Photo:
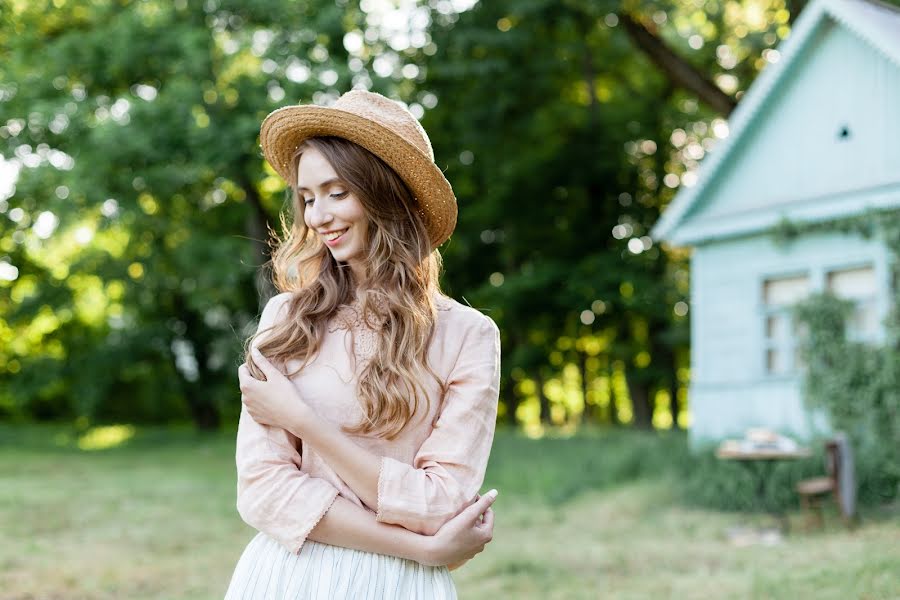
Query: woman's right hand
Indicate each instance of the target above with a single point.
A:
(463, 536)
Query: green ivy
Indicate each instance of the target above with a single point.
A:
(856, 383)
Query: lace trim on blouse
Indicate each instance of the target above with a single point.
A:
(365, 337)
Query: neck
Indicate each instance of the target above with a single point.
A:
(359, 273)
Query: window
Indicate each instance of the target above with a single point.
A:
(859, 286)
(781, 333)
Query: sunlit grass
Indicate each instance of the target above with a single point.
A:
(104, 437)
(584, 516)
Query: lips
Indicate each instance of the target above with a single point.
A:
(333, 237)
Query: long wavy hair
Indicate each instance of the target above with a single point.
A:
(400, 287)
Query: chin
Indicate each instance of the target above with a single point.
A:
(343, 256)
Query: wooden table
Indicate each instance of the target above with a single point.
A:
(760, 462)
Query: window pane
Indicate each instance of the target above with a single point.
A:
(853, 283)
(776, 361)
(799, 363)
(864, 321)
(777, 326)
(785, 291)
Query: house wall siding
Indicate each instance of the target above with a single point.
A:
(793, 150)
(730, 389)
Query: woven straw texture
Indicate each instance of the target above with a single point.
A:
(383, 127)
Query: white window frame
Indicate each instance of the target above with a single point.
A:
(819, 278)
(790, 344)
(869, 301)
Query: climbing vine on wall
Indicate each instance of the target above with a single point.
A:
(857, 383)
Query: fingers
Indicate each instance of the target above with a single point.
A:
(483, 503)
(244, 377)
(262, 362)
(488, 522)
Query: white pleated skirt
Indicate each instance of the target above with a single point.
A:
(266, 570)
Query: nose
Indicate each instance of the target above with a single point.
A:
(318, 214)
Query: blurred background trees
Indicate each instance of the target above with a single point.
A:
(135, 203)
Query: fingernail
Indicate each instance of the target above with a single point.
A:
(492, 493)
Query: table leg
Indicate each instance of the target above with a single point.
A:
(769, 505)
(762, 470)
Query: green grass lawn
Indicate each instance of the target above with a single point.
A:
(586, 517)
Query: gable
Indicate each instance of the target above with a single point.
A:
(781, 161)
(832, 127)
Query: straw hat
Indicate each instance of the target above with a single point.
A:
(380, 125)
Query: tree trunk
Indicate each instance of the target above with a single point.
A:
(679, 71)
(640, 404)
(545, 402)
(204, 415)
(204, 412)
(612, 411)
(257, 230)
(588, 413)
(794, 7)
(674, 405)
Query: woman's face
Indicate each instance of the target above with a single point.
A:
(331, 210)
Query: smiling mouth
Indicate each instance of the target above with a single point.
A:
(337, 234)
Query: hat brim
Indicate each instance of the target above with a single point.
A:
(285, 129)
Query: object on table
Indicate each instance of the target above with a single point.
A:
(840, 481)
(758, 452)
(758, 440)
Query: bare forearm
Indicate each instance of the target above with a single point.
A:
(355, 465)
(351, 526)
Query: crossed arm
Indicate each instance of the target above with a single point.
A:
(411, 501)
(277, 497)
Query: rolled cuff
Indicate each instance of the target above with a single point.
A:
(417, 499)
(289, 525)
(315, 516)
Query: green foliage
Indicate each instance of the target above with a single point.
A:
(556, 469)
(138, 126)
(709, 482)
(138, 122)
(858, 384)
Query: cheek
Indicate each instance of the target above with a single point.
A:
(362, 227)
(356, 214)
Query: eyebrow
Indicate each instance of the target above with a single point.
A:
(325, 183)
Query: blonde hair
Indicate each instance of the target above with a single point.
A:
(401, 286)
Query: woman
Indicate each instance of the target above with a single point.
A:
(369, 397)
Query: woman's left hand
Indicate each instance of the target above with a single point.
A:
(274, 401)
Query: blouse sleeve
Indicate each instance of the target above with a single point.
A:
(273, 495)
(449, 467)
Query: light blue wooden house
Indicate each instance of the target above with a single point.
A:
(816, 137)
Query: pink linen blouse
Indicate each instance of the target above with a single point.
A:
(427, 475)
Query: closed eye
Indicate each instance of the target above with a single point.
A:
(336, 196)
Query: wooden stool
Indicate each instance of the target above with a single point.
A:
(811, 491)
(839, 481)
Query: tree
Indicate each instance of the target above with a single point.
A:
(143, 206)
